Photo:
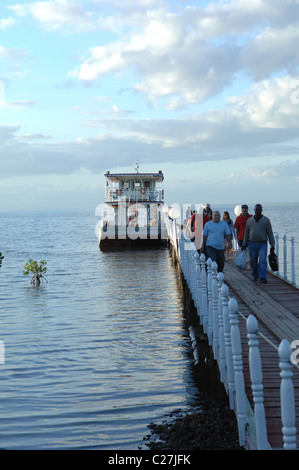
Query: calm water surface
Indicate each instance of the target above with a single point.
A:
(97, 353)
(100, 351)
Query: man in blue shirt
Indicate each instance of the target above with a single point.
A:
(215, 233)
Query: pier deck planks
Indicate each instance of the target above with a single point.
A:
(276, 307)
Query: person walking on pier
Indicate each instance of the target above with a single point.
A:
(258, 232)
(240, 223)
(215, 233)
(230, 223)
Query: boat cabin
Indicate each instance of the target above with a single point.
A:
(134, 187)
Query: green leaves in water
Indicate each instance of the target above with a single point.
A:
(37, 270)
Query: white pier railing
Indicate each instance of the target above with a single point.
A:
(219, 316)
(285, 247)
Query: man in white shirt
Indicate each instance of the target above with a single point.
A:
(215, 233)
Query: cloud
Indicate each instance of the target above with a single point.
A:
(263, 120)
(243, 128)
(12, 53)
(270, 104)
(274, 50)
(7, 132)
(286, 170)
(169, 62)
(187, 54)
(6, 23)
(195, 54)
(53, 15)
(16, 104)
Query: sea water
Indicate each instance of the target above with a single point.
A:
(96, 353)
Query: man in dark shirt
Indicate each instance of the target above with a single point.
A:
(257, 233)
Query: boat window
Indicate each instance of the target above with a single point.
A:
(147, 184)
(136, 184)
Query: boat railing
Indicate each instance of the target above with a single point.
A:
(142, 194)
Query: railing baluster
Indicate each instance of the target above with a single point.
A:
(277, 249)
(230, 379)
(222, 359)
(293, 260)
(256, 377)
(288, 415)
(285, 273)
(210, 311)
(198, 286)
(204, 298)
(238, 370)
(215, 311)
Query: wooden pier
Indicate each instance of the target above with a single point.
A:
(268, 413)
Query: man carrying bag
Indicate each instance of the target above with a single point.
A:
(257, 234)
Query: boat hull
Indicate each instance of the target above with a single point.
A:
(122, 237)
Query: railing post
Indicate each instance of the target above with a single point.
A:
(277, 249)
(256, 377)
(191, 272)
(182, 256)
(222, 361)
(210, 311)
(198, 289)
(215, 311)
(230, 379)
(288, 415)
(285, 273)
(238, 369)
(204, 298)
(187, 264)
(293, 260)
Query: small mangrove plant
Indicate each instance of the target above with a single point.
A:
(37, 270)
(1, 258)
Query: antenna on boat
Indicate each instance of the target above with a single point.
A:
(137, 166)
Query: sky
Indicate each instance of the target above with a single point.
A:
(207, 92)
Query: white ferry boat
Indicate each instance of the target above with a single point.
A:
(133, 211)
